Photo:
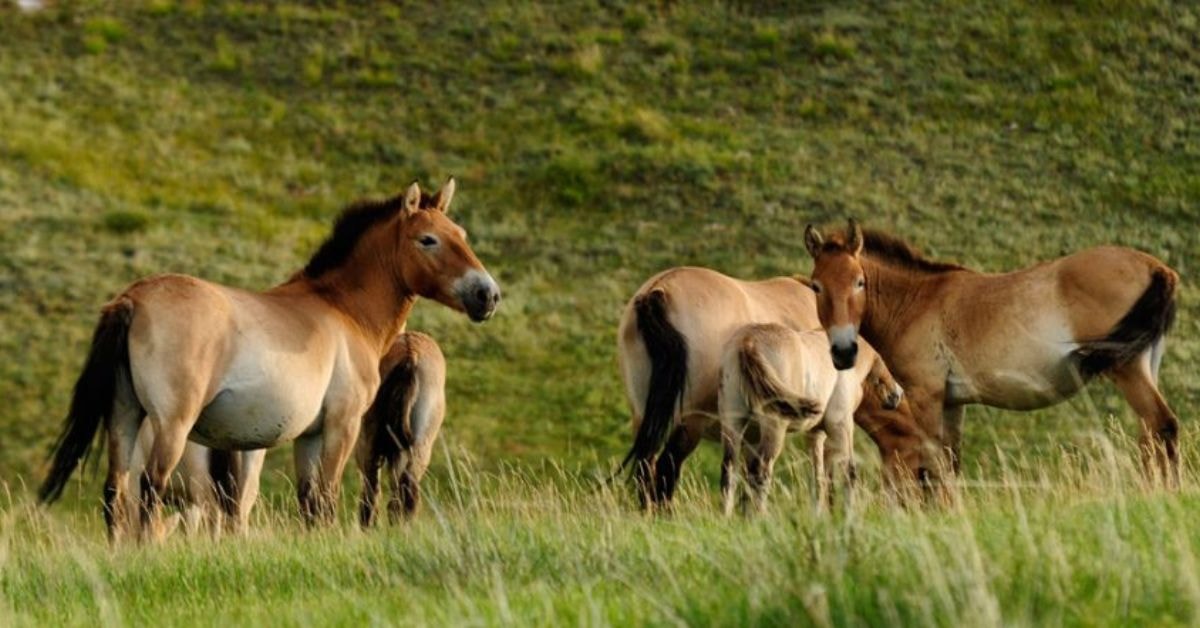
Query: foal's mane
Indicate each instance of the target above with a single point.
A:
(893, 251)
(351, 224)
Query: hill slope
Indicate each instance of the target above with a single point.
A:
(595, 144)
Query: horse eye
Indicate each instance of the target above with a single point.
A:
(428, 241)
(862, 283)
(816, 287)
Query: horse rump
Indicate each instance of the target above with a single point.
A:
(765, 391)
(92, 400)
(668, 353)
(1144, 324)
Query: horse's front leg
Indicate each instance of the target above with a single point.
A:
(321, 459)
(952, 420)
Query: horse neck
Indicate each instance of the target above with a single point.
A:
(370, 293)
(896, 297)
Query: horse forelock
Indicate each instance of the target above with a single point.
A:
(354, 221)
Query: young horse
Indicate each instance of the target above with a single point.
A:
(402, 425)
(1020, 340)
(239, 370)
(670, 340)
(776, 380)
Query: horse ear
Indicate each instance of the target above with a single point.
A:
(412, 198)
(813, 241)
(444, 196)
(854, 238)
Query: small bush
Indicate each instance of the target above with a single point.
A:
(126, 221)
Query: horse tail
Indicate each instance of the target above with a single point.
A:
(668, 353)
(223, 469)
(765, 391)
(392, 411)
(92, 401)
(1143, 325)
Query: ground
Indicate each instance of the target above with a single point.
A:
(595, 144)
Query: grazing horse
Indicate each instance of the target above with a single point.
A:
(776, 380)
(1020, 340)
(240, 370)
(401, 427)
(670, 341)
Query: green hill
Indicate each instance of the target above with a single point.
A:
(595, 143)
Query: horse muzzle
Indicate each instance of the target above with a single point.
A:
(844, 357)
(479, 295)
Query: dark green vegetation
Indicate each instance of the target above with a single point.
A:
(596, 143)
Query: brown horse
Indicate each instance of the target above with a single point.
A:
(1020, 340)
(670, 342)
(776, 380)
(240, 370)
(401, 427)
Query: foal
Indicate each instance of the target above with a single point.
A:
(401, 427)
(776, 380)
(239, 370)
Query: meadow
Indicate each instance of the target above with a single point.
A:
(594, 144)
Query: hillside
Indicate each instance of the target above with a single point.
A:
(595, 143)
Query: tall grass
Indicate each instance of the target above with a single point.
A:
(1082, 541)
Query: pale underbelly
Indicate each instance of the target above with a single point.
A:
(1034, 386)
(254, 419)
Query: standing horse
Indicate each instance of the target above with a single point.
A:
(401, 427)
(1020, 340)
(234, 369)
(670, 341)
(776, 380)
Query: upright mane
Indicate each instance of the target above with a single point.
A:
(892, 250)
(349, 228)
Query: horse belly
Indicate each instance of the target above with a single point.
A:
(255, 418)
(1029, 386)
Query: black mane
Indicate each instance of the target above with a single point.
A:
(351, 224)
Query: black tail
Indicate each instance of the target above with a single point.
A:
(1144, 324)
(392, 412)
(223, 469)
(668, 374)
(92, 402)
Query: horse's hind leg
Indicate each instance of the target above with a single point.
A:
(1160, 427)
(122, 439)
(406, 487)
(680, 445)
(760, 460)
(170, 438)
(731, 442)
(249, 477)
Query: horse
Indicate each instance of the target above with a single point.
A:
(240, 370)
(669, 344)
(1020, 340)
(776, 380)
(401, 427)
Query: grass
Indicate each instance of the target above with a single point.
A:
(595, 144)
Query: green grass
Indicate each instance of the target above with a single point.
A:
(595, 144)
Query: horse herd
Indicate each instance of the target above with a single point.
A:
(196, 380)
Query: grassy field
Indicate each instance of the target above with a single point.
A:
(595, 144)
